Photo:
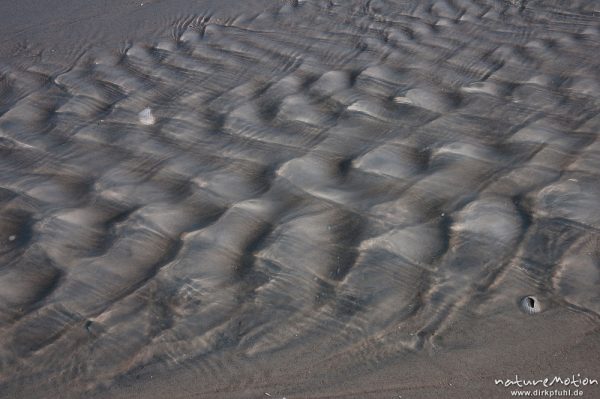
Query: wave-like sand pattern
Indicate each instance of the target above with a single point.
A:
(351, 179)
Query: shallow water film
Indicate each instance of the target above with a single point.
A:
(304, 199)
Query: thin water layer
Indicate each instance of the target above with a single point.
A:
(317, 191)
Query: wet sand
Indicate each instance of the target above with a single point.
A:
(302, 199)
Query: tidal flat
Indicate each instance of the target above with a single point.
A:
(299, 199)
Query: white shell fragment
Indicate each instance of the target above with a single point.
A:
(146, 117)
(530, 305)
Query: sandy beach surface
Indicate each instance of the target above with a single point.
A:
(299, 199)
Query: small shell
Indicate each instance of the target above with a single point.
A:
(146, 117)
(530, 305)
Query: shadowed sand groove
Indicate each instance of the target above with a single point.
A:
(345, 184)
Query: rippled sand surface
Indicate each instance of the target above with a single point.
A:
(312, 199)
